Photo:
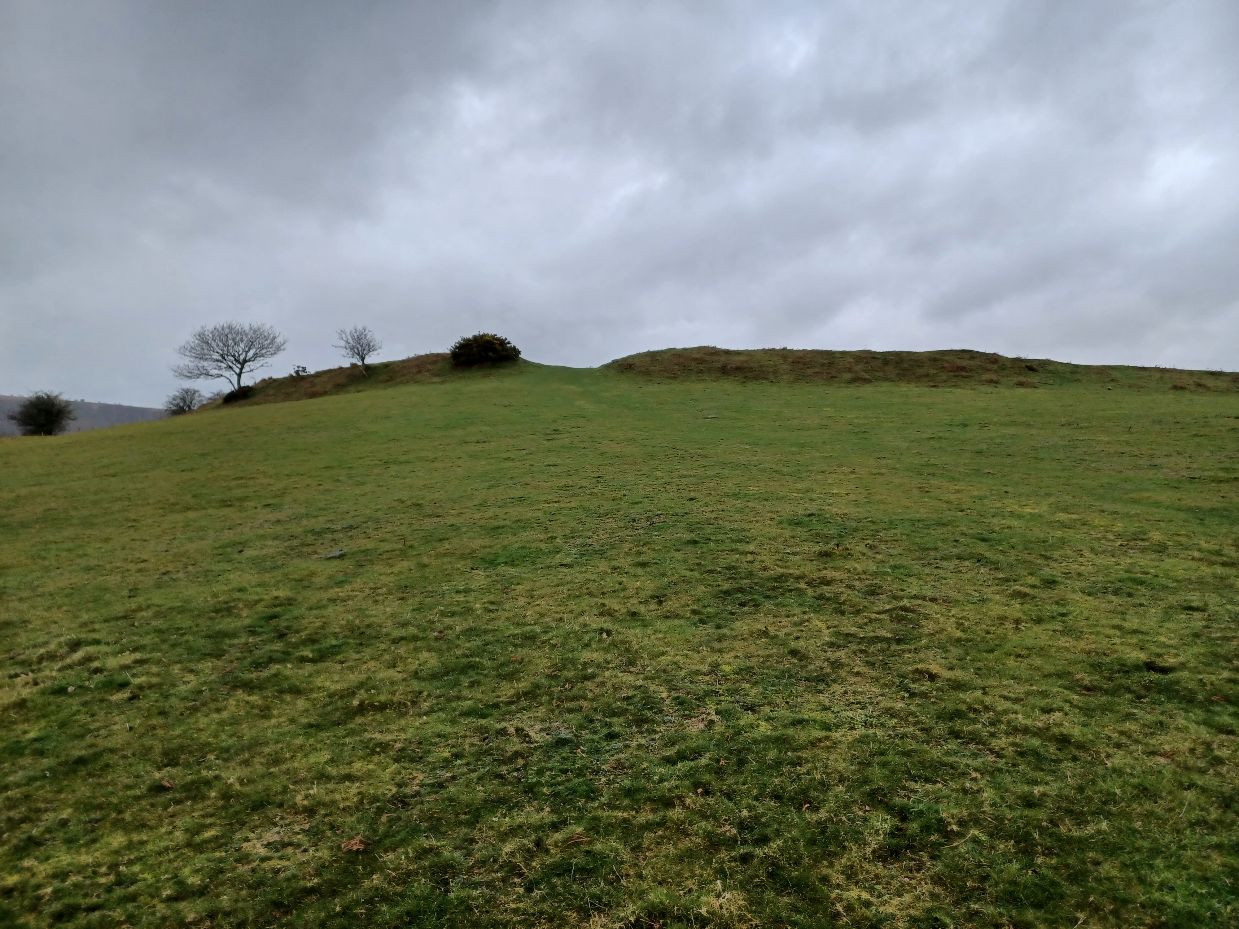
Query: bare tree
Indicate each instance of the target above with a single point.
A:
(183, 400)
(358, 343)
(226, 351)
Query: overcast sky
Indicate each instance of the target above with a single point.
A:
(1053, 179)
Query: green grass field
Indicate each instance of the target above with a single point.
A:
(612, 651)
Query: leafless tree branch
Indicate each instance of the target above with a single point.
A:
(226, 351)
(358, 343)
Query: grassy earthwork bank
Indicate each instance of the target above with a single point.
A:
(611, 648)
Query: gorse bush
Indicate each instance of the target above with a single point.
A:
(43, 413)
(485, 348)
(241, 393)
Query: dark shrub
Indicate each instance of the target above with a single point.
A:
(241, 393)
(485, 348)
(44, 413)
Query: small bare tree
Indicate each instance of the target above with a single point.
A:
(358, 343)
(183, 400)
(226, 351)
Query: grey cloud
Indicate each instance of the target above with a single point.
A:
(598, 178)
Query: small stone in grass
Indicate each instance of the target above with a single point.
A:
(335, 553)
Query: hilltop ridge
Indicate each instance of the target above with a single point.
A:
(940, 368)
(88, 415)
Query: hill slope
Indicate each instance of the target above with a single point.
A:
(577, 648)
(419, 369)
(959, 368)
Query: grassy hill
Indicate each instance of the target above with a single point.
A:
(957, 368)
(558, 647)
(954, 368)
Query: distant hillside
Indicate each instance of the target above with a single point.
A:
(89, 415)
(955, 367)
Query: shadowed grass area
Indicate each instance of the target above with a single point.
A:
(613, 652)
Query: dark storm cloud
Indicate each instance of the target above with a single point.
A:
(593, 179)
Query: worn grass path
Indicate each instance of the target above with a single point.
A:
(608, 652)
